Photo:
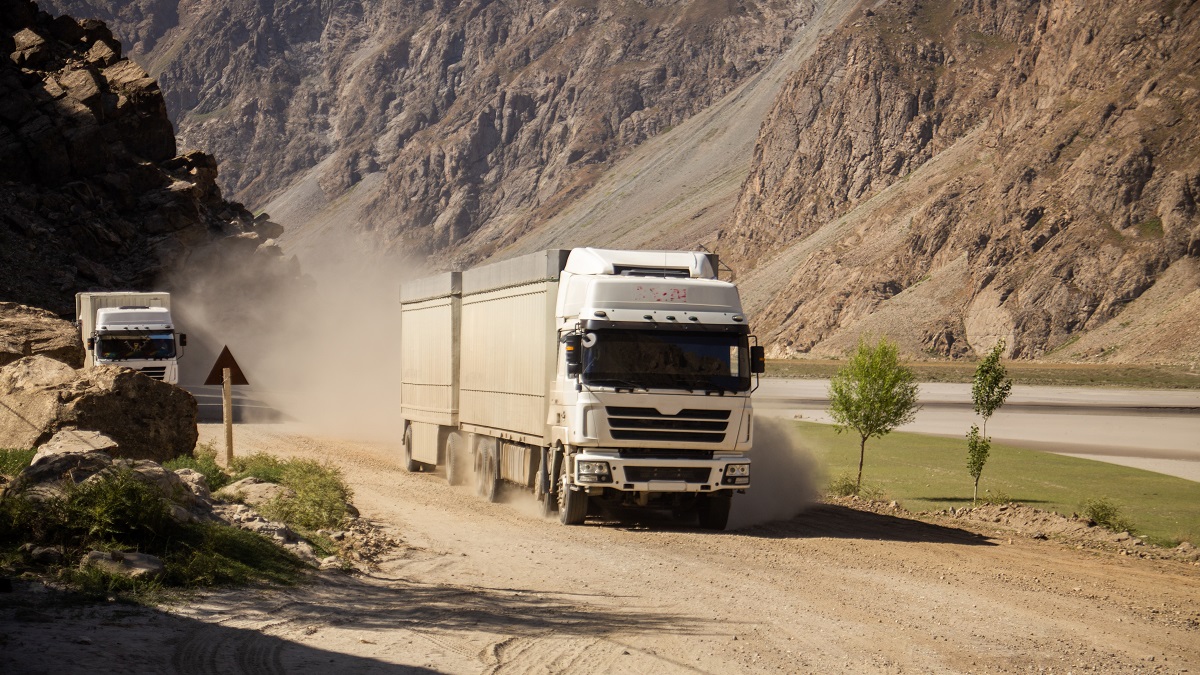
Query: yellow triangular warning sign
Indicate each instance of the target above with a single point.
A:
(225, 360)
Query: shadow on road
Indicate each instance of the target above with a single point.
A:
(51, 631)
(381, 603)
(841, 522)
(463, 619)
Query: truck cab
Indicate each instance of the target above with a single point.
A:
(653, 390)
(120, 331)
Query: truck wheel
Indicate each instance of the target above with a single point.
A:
(454, 458)
(487, 474)
(410, 465)
(572, 504)
(544, 490)
(714, 510)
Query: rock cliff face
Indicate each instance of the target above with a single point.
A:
(92, 193)
(467, 116)
(960, 172)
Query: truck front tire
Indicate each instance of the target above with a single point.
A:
(714, 510)
(572, 504)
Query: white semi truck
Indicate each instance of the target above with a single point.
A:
(594, 378)
(131, 329)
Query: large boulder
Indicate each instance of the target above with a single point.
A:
(148, 419)
(28, 331)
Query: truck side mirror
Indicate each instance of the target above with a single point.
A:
(91, 344)
(758, 359)
(574, 354)
(183, 339)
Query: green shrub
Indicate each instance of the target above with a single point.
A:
(203, 460)
(12, 460)
(321, 495)
(114, 509)
(1106, 514)
(259, 465)
(846, 485)
(209, 554)
(843, 486)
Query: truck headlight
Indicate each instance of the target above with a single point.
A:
(593, 472)
(736, 474)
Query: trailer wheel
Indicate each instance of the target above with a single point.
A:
(572, 504)
(714, 510)
(454, 458)
(410, 465)
(487, 469)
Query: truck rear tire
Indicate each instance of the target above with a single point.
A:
(454, 458)
(410, 465)
(572, 504)
(714, 510)
(487, 469)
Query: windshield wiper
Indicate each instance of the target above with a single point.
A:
(616, 383)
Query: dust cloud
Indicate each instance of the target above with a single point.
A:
(321, 347)
(784, 476)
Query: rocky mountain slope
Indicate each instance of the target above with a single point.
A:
(464, 122)
(946, 172)
(957, 172)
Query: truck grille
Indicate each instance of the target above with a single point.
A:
(155, 372)
(642, 474)
(648, 424)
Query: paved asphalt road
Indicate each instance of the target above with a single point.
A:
(1155, 430)
(1149, 429)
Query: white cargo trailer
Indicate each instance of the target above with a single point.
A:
(131, 329)
(594, 378)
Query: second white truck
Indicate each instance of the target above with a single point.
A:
(597, 379)
(131, 329)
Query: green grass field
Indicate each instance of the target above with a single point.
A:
(929, 473)
(1056, 374)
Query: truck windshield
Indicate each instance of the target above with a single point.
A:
(666, 359)
(127, 347)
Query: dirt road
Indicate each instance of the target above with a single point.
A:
(481, 588)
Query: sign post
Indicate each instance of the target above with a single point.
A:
(227, 409)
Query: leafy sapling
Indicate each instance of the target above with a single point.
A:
(989, 389)
(872, 394)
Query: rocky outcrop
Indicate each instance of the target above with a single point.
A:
(92, 192)
(1033, 162)
(26, 331)
(40, 397)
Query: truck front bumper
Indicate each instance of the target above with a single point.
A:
(651, 474)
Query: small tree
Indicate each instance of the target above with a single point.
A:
(872, 394)
(977, 454)
(989, 389)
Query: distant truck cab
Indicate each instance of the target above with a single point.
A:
(131, 329)
(594, 378)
